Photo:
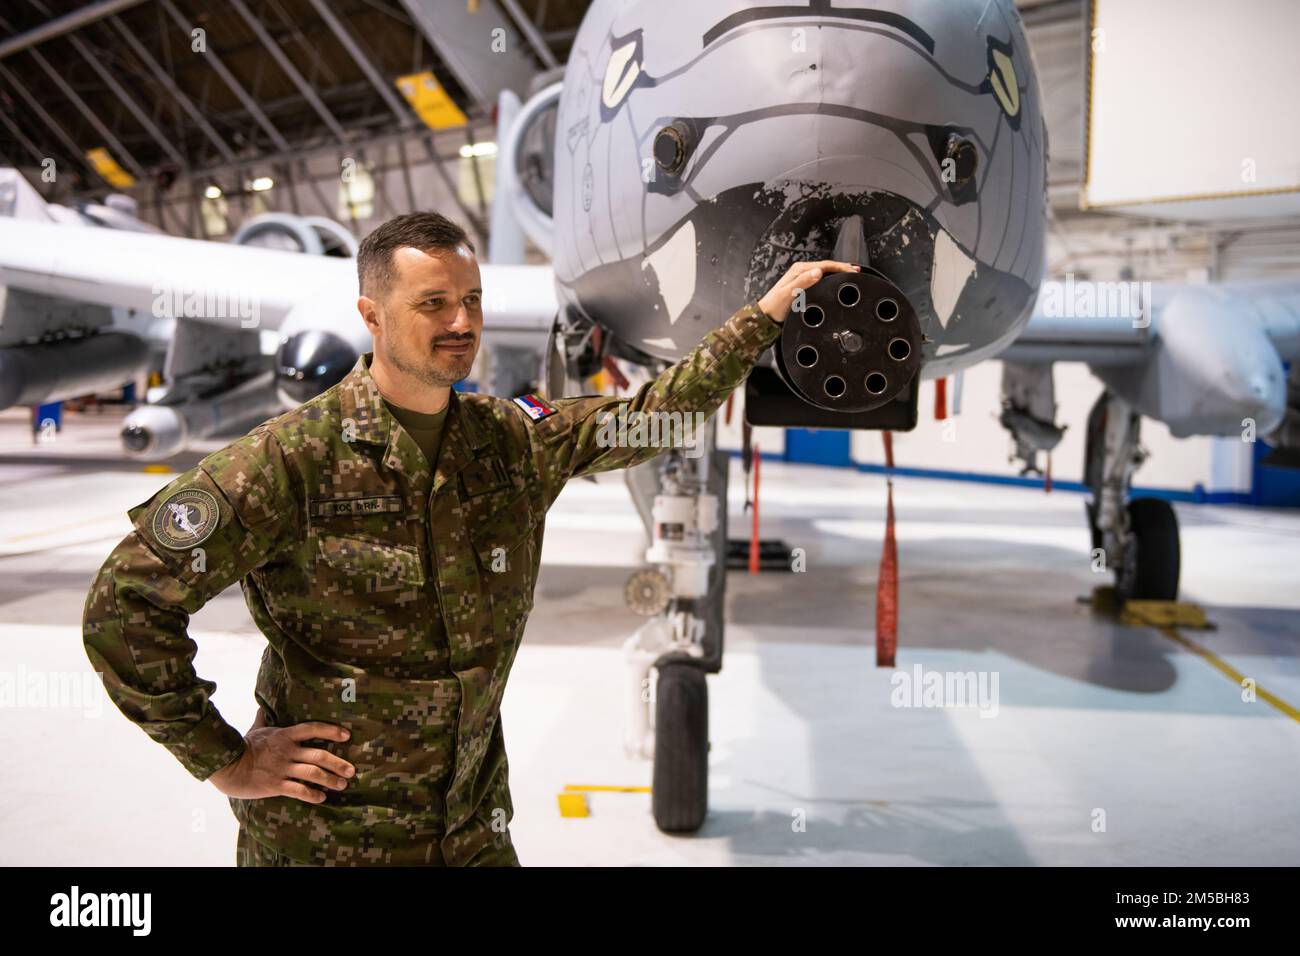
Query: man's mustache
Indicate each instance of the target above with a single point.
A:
(454, 337)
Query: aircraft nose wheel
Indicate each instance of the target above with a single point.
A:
(680, 793)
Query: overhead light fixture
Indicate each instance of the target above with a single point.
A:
(260, 185)
(212, 192)
(478, 149)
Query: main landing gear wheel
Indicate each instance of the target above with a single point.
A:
(680, 797)
(1151, 574)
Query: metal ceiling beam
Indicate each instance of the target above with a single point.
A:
(140, 115)
(121, 154)
(290, 70)
(459, 33)
(378, 181)
(531, 34)
(22, 139)
(229, 79)
(359, 57)
(314, 186)
(311, 152)
(74, 151)
(474, 221)
(161, 75)
(319, 68)
(64, 24)
(406, 175)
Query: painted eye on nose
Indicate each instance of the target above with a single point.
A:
(622, 72)
(1002, 80)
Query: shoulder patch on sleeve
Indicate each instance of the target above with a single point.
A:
(535, 407)
(186, 519)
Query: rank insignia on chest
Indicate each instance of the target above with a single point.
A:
(536, 408)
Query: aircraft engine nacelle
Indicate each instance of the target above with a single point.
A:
(320, 342)
(1215, 370)
(314, 235)
(309, 362)
(154, 432)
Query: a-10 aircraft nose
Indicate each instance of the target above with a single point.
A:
(746, 136)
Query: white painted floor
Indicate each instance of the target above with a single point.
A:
(1093, 721)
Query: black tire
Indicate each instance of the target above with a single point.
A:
(680, 796)
(1155, 535)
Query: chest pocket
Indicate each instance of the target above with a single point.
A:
(503, 532)
(364, 565)
(504, 543)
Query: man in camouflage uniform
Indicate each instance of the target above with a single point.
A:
(391, 577)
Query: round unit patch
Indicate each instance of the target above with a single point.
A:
(186, 519)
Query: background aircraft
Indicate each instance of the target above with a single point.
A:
(249, 328)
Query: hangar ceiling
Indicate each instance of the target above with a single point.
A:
(278, 82)
(265, 79)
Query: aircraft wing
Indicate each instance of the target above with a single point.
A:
(237, 287)
(1200, 358)
(1097, 324)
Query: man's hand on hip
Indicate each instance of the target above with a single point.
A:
(801, 275)
(276, 762)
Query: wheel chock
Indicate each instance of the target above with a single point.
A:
(1104, 598)
(573, 805)
(1164, 614)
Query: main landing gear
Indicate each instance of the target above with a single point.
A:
(1135, 538)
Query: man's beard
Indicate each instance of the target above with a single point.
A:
(432, 369)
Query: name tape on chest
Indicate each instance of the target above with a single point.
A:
(340, 507)
(535, 408)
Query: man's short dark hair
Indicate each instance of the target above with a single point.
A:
(426, 231)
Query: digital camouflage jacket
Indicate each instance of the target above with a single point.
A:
(393, 596)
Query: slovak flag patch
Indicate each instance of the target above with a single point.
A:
(534, 407)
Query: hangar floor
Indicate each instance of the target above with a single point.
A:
(1107, 744)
